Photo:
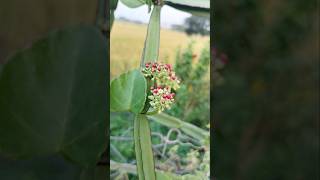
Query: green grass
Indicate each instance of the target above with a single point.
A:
(127, 40)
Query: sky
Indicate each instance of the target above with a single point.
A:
(169, 15)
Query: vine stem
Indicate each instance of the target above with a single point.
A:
(152, 41)
(143, 148)
(141, 131)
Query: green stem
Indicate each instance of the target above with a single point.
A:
(141, 131)
(143, 148)
(152, 42)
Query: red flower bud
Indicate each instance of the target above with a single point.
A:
(154, 65)
(155, 91)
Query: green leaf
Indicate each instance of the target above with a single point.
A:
(53, 97)
(128, 92)
(151, 44)
(133, 3)
(187, 128)
(143, 148)
(167, 120)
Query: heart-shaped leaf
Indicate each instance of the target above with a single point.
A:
(128, 92)
(53, 97)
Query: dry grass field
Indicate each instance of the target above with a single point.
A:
(127, 40)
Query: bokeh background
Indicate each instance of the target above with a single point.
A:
(127, 41)
(266, 110)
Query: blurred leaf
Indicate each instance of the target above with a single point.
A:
(151, 44)
(128, 92)
(167, 120)
(143, 148)
(53, 97)
(23, 22)
(133, 3)
(95, 173)
(188, 128)
(49, 168)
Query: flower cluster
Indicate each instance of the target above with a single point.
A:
(161, 98)
(162, 74)
(165, 81)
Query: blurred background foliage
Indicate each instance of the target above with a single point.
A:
(266, 111)
(192, 102)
